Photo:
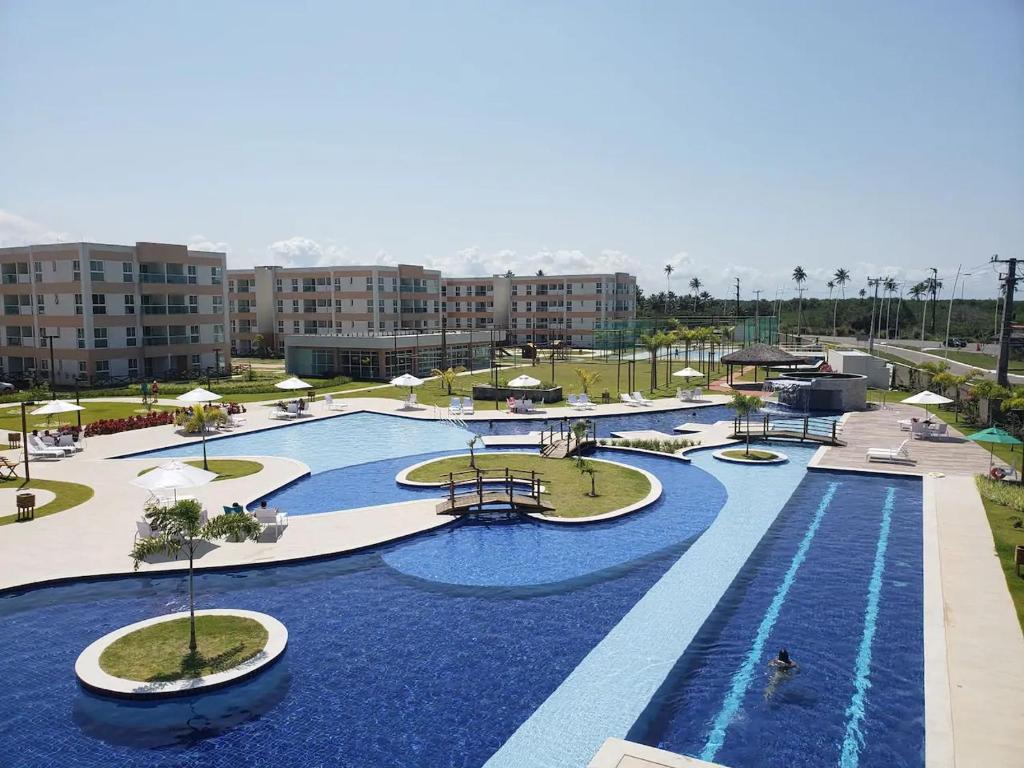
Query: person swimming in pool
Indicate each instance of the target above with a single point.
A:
(783, 660)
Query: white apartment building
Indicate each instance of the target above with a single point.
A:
(112, 311)
(276, 302)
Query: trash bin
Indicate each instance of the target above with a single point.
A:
(26, 506)
(606, 397)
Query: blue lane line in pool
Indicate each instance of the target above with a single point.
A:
(854, 738)
(741, 680)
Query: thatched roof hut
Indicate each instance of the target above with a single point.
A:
(760, 356)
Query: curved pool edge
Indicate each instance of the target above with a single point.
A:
(95, 679)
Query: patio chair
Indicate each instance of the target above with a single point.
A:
(905, 424)
(941, 430)
(920, 431)
(268, 517)
(36, 450)
(410, 401)
(682, 394)
(640, 399)
(697, 393)
(891, 455)
(585, 402)
(334, 405)
(234, 509)
(627, 400)
(467, 405)
(143, 530)
(8, 470)
(527, 405)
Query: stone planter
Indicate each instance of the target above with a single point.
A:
(538, 395)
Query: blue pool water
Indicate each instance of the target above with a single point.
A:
(434, 651)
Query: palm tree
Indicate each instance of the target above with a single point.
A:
(831, 284)
(587, 468)
(933, 285)
(669, 269)
(842, 277)
(540, 273)
(587, 378)
(447, 378)
(471, 444)
(799, 277)
(695, 286)
(863, 293)
(706, 298)
(917, 291)
(180, 528)
(889, 285)
(653, 342)
(744, 405)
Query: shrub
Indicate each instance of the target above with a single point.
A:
(659, 446)
(1007, 494)
(113, 426)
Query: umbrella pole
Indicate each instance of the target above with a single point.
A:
(206, 465)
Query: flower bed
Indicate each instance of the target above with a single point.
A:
(113, 426)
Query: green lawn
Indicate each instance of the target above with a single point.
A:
(1011, 454)
(1007, 535)
(613, 378)
(965, 356)
(160, 653)
(10, 418)
(754, 455)
(617, 486)
(226, 469)
(68, 495)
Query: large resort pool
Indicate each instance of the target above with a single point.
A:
(517, 642)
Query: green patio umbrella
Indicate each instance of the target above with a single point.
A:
(994, 436)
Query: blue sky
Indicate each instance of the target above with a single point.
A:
(729, 139)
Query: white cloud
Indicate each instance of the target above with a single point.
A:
(302, 251)
(202, 243)
(17, 230)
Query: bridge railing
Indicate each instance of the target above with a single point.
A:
(506, 479)
(802, 427)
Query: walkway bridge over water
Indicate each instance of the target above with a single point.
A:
(805, 429)
(476, 491)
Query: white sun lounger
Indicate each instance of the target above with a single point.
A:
(334, 405)
(37, 450)
(585, 402)
(574, 402)
(891, 455)
(467, 405)
(640, 399)
(628, 400)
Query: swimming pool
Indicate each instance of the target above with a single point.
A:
(523, 643)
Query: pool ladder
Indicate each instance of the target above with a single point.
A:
(442, 415)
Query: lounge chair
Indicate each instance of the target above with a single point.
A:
(640, 399)
(627, 400)
(682, 394)
(467, 405)
(906, 424)
(920, 431)
(697, 393)
(334, 405)
(585, 402)
(143, 530)
(67, 441)
(892, 455)
(410, 401)
(573, 402)
(36, 450)
(455, 407)
(941, 430)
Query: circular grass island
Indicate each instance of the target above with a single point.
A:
(565, 487)
(753, 456)
(152, 658)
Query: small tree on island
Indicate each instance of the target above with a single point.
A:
(447, 378)
(472, 455)
(587, 468)
(179, 528)
(259, 345)
(744, 405)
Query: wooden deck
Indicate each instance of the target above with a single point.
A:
(473, 503)
(950, 455)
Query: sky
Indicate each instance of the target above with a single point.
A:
(728, 140)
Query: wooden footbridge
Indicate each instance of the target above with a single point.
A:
(563, 441)
(803, 428)
(493, 490)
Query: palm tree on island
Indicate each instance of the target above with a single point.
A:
(744, 405)
(695, 286)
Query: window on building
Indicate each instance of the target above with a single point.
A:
(129, 304)
(218, 333)
(130, 336)
(127, 272)
(37, 267)
(82, 368)
(99, 338)
(96, 270)
(216, 275)
(40, 304)
(193, 305)
(193, 274)
(193, 334)
(103, 368)
(80, 338)
(78, 303)
(133, 366)
(99, 304)
(218, 305)
(196, 361)
(76, 270)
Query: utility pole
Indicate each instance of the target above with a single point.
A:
(757, 315)
(935, 291)
(1009, 283)
(898, 305)
(871, 326)
(737, 297)
(50, 338)
(949, 313)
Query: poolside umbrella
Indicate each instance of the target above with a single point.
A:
(56, 407)
(689, 373)
(172, 476)
(406, 380)
(993, 436)
(927, 398)
(199, 396)
(293, 383)
(524, 381)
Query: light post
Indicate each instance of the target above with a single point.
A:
(24, 435)
(78, 413)
(50, 338)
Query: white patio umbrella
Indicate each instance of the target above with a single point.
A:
(689, 373)
(524, 381)
(173, 475)
(406, 380)
(293, 383)
(55, 407)
(200, 396)
(926, 398)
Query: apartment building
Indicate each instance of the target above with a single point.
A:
(112, 311)
(275, 302)
(542, 308)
